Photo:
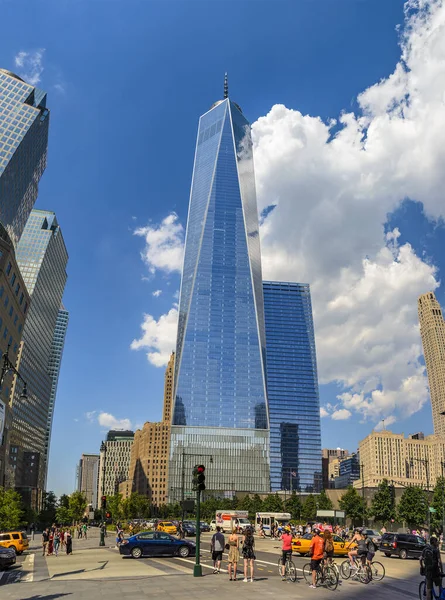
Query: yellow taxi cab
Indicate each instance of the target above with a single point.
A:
(167, 527)
(302, 544)
(14, 539)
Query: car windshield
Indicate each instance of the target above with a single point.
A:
(167, 524)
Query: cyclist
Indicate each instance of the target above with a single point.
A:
(361, 549)
(286, 550)
(328, 546)
(316, 552)
(371, 548)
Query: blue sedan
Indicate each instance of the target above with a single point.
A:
(156, 543)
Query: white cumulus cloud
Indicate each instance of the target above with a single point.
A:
(108, 420)
(156, 293)
(323, 412)
(341, 415)
(163, 245)
(30, 65)
(158, 337)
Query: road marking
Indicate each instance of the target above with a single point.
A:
(28, 567)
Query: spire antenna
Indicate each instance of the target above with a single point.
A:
(226, 87)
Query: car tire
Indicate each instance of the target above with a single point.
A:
(183, 551)
(136, 552)
(387, 554)
(403, 553)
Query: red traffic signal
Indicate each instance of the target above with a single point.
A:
(200, 468)
(199, 478)
(108, 515)
(104, 502)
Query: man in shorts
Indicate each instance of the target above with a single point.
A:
(217, 547)
(286, 549)
(316, 552)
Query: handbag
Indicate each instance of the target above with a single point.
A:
(227, 546)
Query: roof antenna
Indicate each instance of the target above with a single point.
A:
(226, 87)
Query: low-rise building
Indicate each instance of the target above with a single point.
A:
(415, 460)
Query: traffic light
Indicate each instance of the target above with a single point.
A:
(104, 502)
(108, 515)
(199, 478)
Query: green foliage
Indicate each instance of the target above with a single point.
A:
(309, 511)
(413, 506)
(383, 506)
(136, 506)
(293, 506)
(437, 503)
(11, 512)
(324, 502)
(47, 515)
(77, 505)
(114, 505)
(352, 503)
(257, 504)
(63, 516)
(64, 501)
(272, 503)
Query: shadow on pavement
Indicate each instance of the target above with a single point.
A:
(47, 597)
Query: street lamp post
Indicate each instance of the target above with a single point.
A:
(8, 367)
(362, 468)
(103, 451)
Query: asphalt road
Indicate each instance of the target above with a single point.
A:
(95, 573)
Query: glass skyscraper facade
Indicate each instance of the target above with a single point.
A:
(292, 388)
(54, 365)
(24, 121)
(220, 402)
(42, 259)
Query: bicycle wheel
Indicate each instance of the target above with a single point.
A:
(307, 572)
(364, 574)
(334, 566)
(377, 571)
(345, 569)
(330, 578)
(291, 571)
(279, 566)
(422, 590)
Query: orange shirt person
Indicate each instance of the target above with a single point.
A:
(316, 552)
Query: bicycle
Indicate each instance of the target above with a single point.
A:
(440, 595)
(360, 571)
(377, 570)
(326, 575)
(290, 571)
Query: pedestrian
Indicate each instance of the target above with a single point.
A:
(328, 546)
(181, 530)
(286, 550)
(316, 554)
(431, 566)
(32, 529)
(45, 540)
(56, 542)
(233, 557)
(50, 543)
(249, 554)
(85, 530)
(217, 544)
(69, 542)
(62, 539)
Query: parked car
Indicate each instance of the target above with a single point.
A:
(14, 539)
(374, 535)
(156, 543)
(402, 544)
(7, 557)
(204, 526)
(302, 544)
(167, 527)
(213, 525)
(150, 525)
(189, 529)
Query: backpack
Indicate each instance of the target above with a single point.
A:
(328, 546)
(426, 561)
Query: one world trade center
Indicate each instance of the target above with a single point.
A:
(220, 415)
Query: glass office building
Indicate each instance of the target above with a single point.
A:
(54, 365)
(292, 388)
(42, 259)
(24, 121)
(220, 403)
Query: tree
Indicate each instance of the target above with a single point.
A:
(273, 503)
(437, 503)
(63, 516)
(135, 506)
(47, 515)
(309, 511)
(114, 505)
(64, 501)
(11, 512)
(77, 506)
(413, 506)
(352, 503)
(383, 506)
(324, 502)
(293, 506)
(257, 504)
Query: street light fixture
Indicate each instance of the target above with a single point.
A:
(8, 367)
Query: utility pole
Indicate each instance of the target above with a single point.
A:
(362, 468)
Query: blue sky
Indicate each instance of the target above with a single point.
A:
(126, 83)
